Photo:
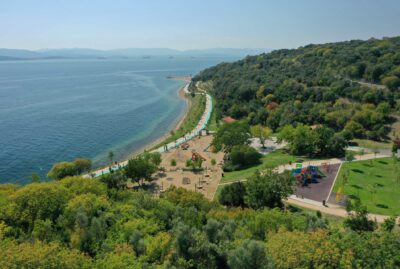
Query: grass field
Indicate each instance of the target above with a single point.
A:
(212, 123)
(376, 182)
(370, 144)
(269, 161)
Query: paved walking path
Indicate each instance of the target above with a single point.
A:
(195, 132)
(330, 209)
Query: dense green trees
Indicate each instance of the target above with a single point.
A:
(142, 167)
(40, 255)
(75, 223)
(250, 254)
(65, 169)
(230, 135)
(115, 180)
(233, 194)
(242, 156)
(268, 189)
(233, 139)
(320, 141)
(315, 84)
(33, 203)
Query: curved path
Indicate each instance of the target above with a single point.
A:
(195, 132)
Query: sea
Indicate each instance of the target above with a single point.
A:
(59, 110)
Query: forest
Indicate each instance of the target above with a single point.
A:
(79, 223)
(351, 87)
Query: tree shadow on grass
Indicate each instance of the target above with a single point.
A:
(356, 187)
(379, 185)
(367, 165)
(353, 196)
(382, 206)
(383, 162)
(357, 171)
(379, 176)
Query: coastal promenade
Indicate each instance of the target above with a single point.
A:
(187, 137)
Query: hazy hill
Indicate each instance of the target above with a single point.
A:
(17, 53)
(124, 53)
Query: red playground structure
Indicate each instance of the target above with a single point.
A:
(307, 175)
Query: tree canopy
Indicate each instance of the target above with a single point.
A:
(64, 169)
(230, 135)
(332, 84)
(76, 223)
(268, 189)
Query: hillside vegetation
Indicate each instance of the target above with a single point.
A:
(80, 223)
(351, 86)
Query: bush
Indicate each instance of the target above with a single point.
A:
(65, 169)
(173, 162)
(233, 194)
(241, 157)
(213, 162)
(268, 189)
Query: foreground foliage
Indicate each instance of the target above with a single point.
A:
(77, 223)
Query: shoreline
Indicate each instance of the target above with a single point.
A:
(174, 126)
(201, 124)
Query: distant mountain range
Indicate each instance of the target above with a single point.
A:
(77, 53)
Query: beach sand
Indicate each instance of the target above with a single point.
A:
(205, 182)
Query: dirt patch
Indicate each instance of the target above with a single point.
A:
(205, 181)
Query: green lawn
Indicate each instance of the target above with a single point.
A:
(212, 123)
(375, 182)
(370, 144)
(269, 161)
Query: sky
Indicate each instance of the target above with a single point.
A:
(192, 24)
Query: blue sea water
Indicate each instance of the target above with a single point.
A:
(59, 110)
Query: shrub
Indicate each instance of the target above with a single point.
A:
(241, 157)
(233, 194)
(173, 162)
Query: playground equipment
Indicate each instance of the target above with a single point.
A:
(197, 156)
(307, 175)
(185, 146)
(185, 180)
